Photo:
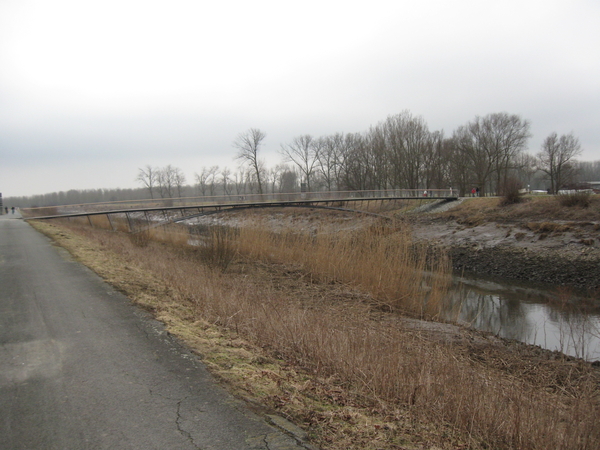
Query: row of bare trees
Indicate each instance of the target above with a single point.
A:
(167, 182)
(400, 152)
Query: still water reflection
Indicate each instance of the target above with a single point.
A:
(555, 319)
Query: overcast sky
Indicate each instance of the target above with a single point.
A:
(90, 91)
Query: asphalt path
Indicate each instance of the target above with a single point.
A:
(83, 368)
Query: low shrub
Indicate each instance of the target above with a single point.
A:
(582, 199)
(216, 247)
(140, 239)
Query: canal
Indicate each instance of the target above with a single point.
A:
(555, 318)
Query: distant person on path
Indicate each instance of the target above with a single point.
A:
(477, 192)
(473, 191)
(12, 209)
(6, 209)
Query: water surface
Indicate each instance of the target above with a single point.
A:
(554, 318)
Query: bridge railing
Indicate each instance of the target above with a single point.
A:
(241, 198)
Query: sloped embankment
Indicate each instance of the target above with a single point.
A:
(536, 241)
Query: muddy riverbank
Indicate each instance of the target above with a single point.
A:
(581, 272)
(534, 241)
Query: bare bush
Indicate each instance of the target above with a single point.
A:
(581, 199)
(216, 248)
(511, 192)
(141, 238)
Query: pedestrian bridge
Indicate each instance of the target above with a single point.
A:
(138, 214)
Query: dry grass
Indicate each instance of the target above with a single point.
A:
(577, 199)
(379, 259)
(353, 376)
(532, 208)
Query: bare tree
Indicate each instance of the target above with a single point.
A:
(489, 145)
(330, 156)
(225, 180)
(406, 141)
(526, 168)
(470, 152)
(435, 162)
(274, 176)
(201, 181)
(239, 180)
(327, 160)
(212, 179)
(458, 166)
(359, 168)
(557, 157)
(168, 179)
(507, 138)
(248, 145)
(178, 180)
(287, 179)
(303, 152)
(379, 161)
(148, 177)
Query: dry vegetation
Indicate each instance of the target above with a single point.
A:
(561, 208)
(307, 325)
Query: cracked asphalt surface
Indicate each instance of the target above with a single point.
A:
(83, 368)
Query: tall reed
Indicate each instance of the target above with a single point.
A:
(380, 259)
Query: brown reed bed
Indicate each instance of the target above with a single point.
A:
(334, 360)
(379, 259)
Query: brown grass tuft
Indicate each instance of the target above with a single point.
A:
(576, 199)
